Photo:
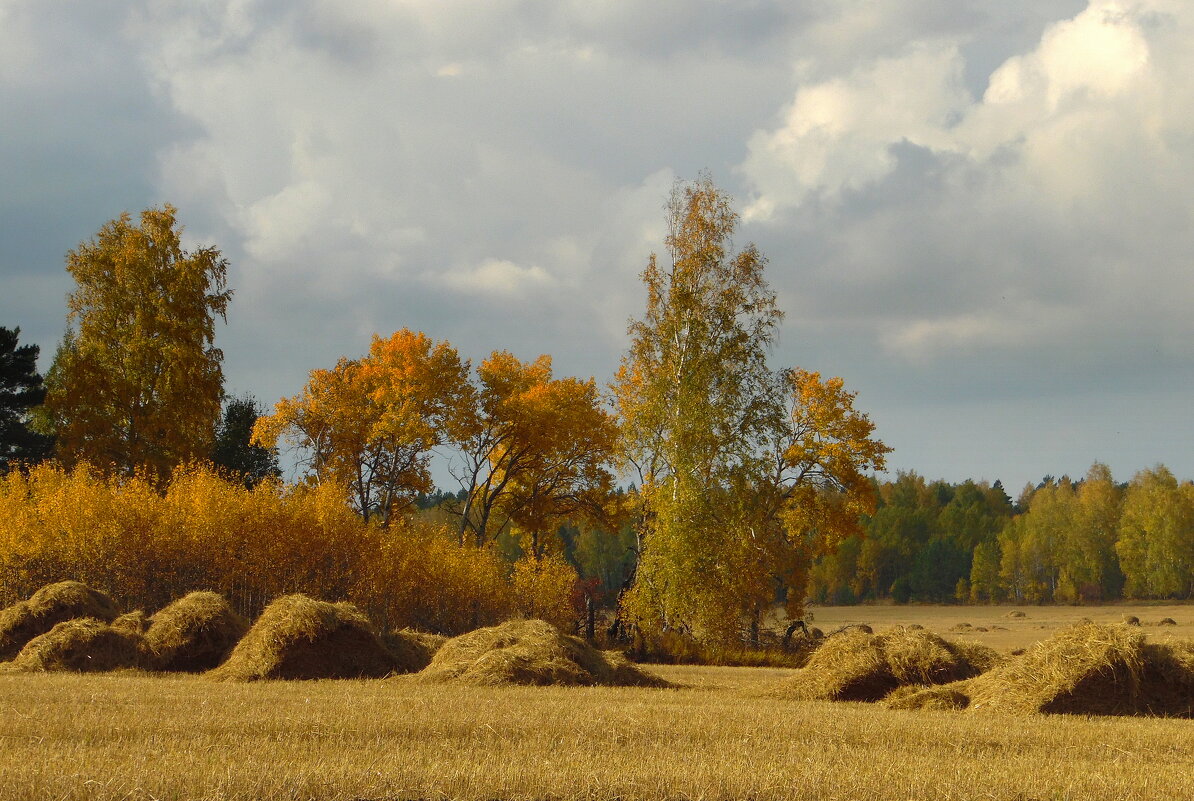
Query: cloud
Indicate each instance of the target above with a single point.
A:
(1049, 214)
(498, 276)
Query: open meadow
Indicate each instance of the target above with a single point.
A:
(725, 733)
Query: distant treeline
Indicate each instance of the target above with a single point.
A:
(1062, 541)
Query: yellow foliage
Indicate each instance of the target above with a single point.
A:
(545, 589)
(136, 385)
(146, 548)
(369, 424)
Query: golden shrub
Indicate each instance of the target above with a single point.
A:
(146, 548)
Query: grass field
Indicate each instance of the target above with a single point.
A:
(722, 736)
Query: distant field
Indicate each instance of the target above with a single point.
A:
(1005, 633)
(726, 736)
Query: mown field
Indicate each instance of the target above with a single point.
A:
(724, 735)
(1004, 632)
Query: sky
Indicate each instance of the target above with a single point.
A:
(979, 214)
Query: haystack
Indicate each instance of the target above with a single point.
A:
(1093, 669)
(856, 666)
(195, 633)
(942, 696)
(1131, 620)
(531, 652)
(84, 645)
(135, 622)
(52, 604)
(1166, 621)
(414, 650)
(297, 637)
(1016, 613)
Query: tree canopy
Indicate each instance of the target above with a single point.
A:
(137, 381)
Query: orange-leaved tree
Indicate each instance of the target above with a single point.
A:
(372, 423)
(137, 383)
(534, 451)
(820, 451)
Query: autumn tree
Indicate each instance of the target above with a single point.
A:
(21, 389)
(1156, 536)
(740, 471)
(371, 423)
(137, 382)
(533, 451)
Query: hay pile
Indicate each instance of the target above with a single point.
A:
(136, 622)
(414, 650)
(84, 645)
(857, 666)
(195, 633)
(297, 637)
(531, 652)
(52, 604)
(1093, 669)
(941, 696)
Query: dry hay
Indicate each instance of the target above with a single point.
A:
(414, 650)
(47, 607)
(1166, 621)
(297, 637)
(195, 633)
(856, 666)
(917, 696)
(1093, 669)
(960, 628)
(1131, 620)
(531, 652)
(1016, 613)
(83, 645)
(136, 622)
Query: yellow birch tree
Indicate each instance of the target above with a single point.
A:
(137, 382)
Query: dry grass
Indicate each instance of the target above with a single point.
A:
(297, 637)
(531, 652)
(132, 738)
(195, 633)
(991, 626)
(84, 645)
(52, 604)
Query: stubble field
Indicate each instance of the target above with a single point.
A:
(724, 735)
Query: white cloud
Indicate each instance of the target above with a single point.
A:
(498, 276)
(836, 135)
(1055, 208)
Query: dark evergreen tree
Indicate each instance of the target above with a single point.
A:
(21, 388)
(234, 453)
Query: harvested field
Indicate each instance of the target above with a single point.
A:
(531, 652)
(52, 604)
(120, 737)
(85, 645)
(297, 637)
(1004, 633)
(195, 633)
